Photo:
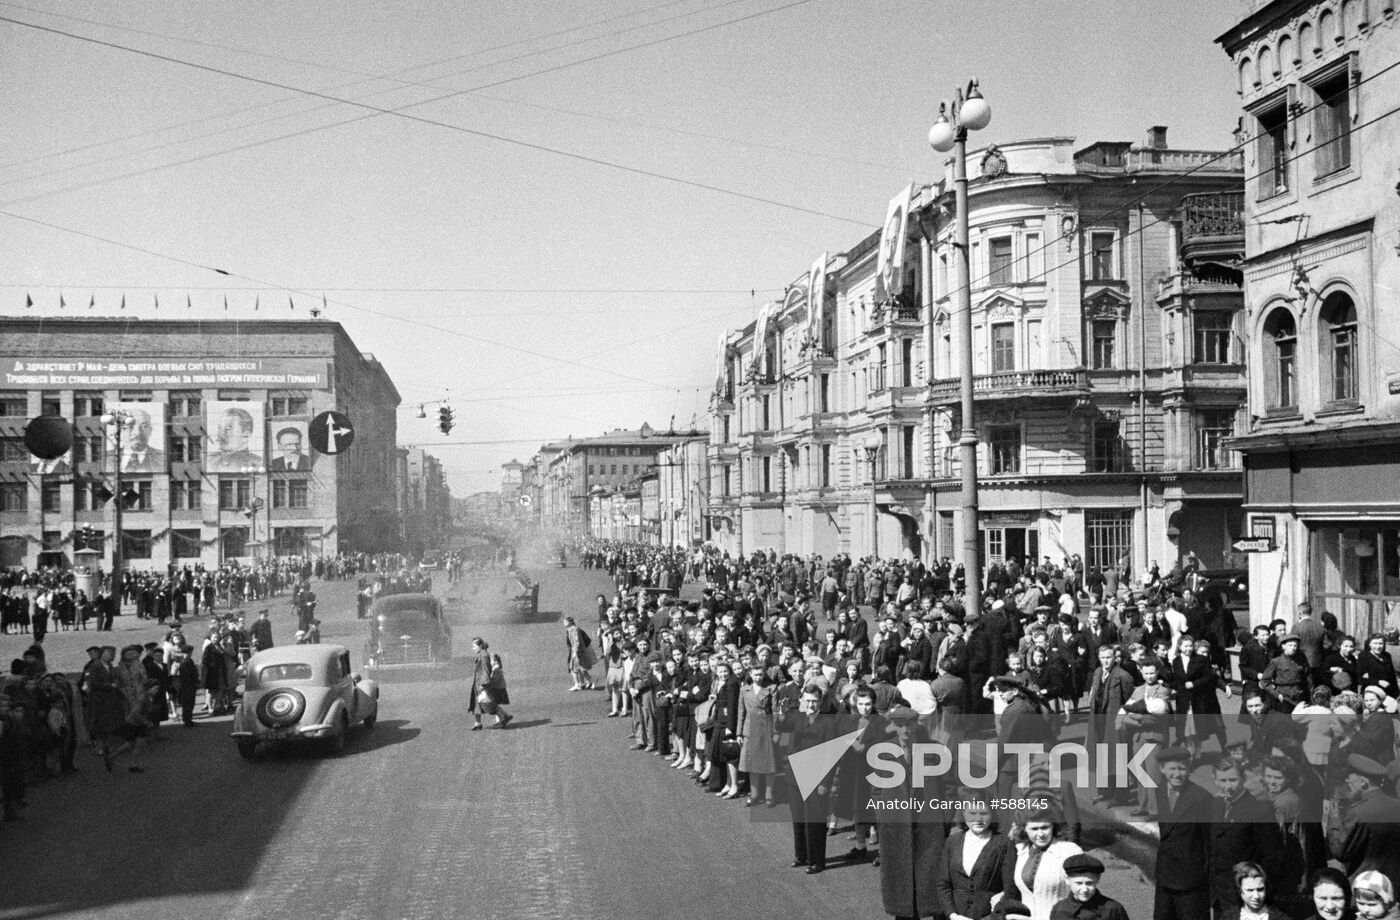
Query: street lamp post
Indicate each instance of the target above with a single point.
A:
(114, 423)
(873, 441)
(968, 112)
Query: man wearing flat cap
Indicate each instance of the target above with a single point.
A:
(1184, 814)
(1370, 833)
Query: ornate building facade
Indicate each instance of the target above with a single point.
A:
(1106, 296)
(1317, 85)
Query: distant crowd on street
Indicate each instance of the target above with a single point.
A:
(1288, 809)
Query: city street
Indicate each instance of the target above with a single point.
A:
(553, 817)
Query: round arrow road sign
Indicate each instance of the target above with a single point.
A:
(331, 433)
(524, 501)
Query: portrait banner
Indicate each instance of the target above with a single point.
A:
(142, 436)
(290, 448)
(235, 430)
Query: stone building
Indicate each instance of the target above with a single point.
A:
(1106, 296)
(216, 459)
(1317, 84)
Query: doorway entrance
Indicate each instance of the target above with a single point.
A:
(1002, 543)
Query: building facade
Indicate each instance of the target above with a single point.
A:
(215, 460)
(1321, 465)
(425, 504)
(1106, 316)
(575, 472)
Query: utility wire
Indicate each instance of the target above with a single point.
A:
(401, 112)
(108, 141)
(1180, 177)
(340, 303)
(328, 105)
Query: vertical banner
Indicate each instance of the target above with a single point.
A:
(142, 436)
(890, 260)
(235, 431)
(721, 362)
(291, 452)
(816, 297)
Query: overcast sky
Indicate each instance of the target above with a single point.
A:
(545, 292)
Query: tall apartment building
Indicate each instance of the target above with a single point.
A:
(219, 413)
(1106, 319)
(1321, 465)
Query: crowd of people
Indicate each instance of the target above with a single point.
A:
(1287, 809)
(120, 698)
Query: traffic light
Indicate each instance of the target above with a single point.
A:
(445, 419)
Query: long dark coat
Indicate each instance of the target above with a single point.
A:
(911, 852)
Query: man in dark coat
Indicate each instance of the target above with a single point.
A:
(1184, 811)
(911, 846)
(806, 729)
(1021, 722)
(1370, 835)
(1109, 692)
(1243, 829)
(982, 662)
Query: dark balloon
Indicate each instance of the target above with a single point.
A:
(48, 437)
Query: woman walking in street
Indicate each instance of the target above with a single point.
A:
(496, 690)
(580, 655)
(481, 672)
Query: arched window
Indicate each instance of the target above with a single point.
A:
(1327, 35)
(1307, 43)
(1246, 81)
(1286, 54)
(1337, 323)
(1267, 69)
(1281, 360)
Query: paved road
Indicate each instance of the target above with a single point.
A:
(554, 817)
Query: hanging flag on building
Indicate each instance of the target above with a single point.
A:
(189, 304)
(816, 297)
(721, 361)
(61, 304)
(123, 301)
(28, 302)
(890, 264)
(92, 301)
(760, 336)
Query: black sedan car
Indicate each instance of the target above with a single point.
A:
(407, 629)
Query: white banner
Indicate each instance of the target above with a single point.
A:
(890, 264)
(816, 297)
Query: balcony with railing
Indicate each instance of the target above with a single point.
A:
(1212, 235)
(1012, 385)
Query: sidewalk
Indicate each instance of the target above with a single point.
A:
(67, 651)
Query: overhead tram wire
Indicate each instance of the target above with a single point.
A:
(382, 290)
(374, 111)
(445, 330)
(1247, 179)
(434, 84)
(390, 76)
(1237, 148)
